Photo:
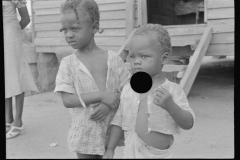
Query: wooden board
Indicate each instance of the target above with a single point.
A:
(47, 4)
(192, 30)
(220, 3)
(185, 40)
(56, 3)
(172, 68)
(224, 38)
(195, 61)
(130, 16)
(220, 13)
(48, 11)
(112, 7)
(221, 49)
(221, 22)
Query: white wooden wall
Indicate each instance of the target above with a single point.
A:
(47, 25)
(220, 15)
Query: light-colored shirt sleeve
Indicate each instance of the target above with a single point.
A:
(124, 74)
(180, 99)
(64, 78)
(118, 117)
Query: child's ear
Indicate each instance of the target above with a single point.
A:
(95, 27)
(165, 58)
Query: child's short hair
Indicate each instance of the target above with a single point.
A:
(90, 7)
(164, 40)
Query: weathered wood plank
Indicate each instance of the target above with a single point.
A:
(57, 3)
(57, 26)
(185, 40)
(220, 13)
(106, 32)
(178, 31)
(112, 7)
(112, 15)
(142, 12)
(224, 38)
(47, 4)
(186, 30)
(195, 61)
(130, 16)
(47, 19)
(221, 49)
(173, 68)
(222, 22)
(49, 11)
(109, 1)
(220, 3)
(61, 41)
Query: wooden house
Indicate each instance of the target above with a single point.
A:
(197, 28)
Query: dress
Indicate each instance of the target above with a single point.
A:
(86, 136)
(18, 77)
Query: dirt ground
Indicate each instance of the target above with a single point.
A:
(46, 120)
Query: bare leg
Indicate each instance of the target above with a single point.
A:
(8, 110)
(19, 109)
(88, 156)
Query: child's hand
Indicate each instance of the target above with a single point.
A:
(108, 154)
(111, 99)
(100, 113)
(163, 98)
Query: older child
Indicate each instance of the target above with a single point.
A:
(88, 80)
(149, 120)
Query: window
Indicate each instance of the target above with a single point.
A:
(175, 12)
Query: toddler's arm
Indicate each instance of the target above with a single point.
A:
(115, 135)
(182, 115)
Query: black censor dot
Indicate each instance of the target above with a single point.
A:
(141, 82)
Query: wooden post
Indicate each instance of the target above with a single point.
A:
(130, 16)
(205, 10)
(142, 12)
(32, 12)
(195, 61)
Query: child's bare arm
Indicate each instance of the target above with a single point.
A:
(165, 100)
(72, 100)
(115, 135)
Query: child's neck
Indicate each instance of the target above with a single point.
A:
(89, 49)
(158, 79)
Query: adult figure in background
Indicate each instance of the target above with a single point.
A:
(19, 81)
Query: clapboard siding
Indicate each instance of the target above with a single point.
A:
(220, 15)
(56, 3)
(47, 25)
(220, 3)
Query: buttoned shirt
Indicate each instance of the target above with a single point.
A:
(86, 136)
(159, 119)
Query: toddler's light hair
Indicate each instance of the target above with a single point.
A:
(164, 40)
(90, 7)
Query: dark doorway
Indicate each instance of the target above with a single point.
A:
(175, 12)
